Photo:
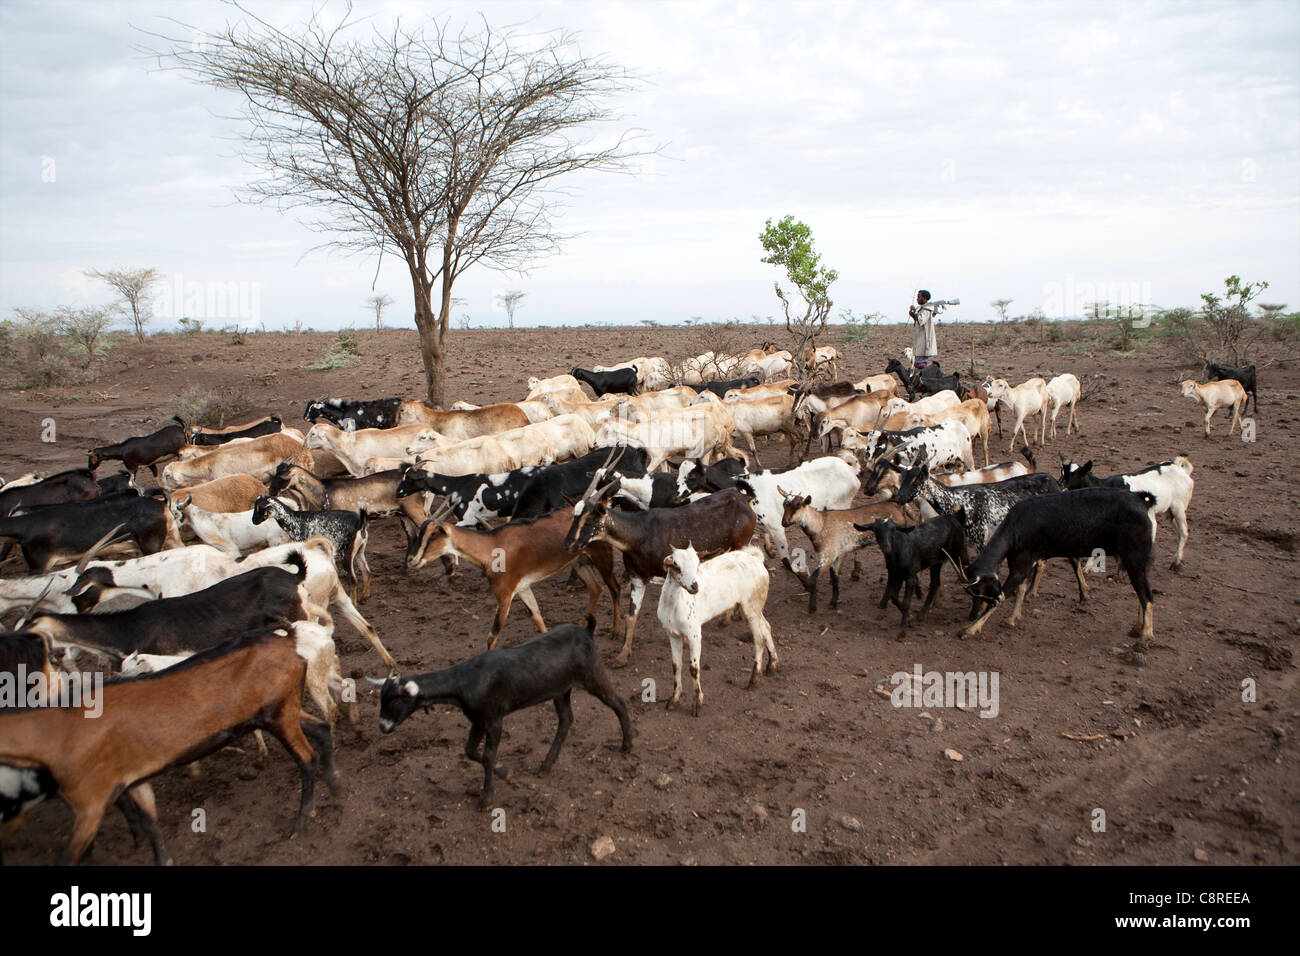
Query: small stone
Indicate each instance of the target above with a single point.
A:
(937, 726)
(760, 813)
(602, 847)
(851, 823)
(953, 755)
(663, 782)
(688, 861)
(1279, 732)
(1200, 855)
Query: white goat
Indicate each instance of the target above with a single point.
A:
(695, 592)
(829, 482)
(1026, 399)
(1216, 395)
(1061, 391)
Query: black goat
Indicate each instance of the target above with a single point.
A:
(933, 384)
(121, 483)
(346, 529)
(621, 380)
(47, 534)
(1074, 525)
(558, 486)
(718, 476)
(143, 449)
(911, 377)
(909, 551)
(350, 415)
(270, 425)
(1246, 376)
(263, 597)
(75, 485)
(721, 389)
(495, 683)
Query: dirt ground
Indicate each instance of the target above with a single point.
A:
(1182, 768)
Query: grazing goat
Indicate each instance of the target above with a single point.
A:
(833, 534)
(1026, 399)
(1170, 481)
(151, 723)
(1061, 391)
(1216, 395)
(516, 556)
(991, 473)
(495, 683)
(350, 415)
(1074, 525)
(909, 551)
(695, 592)
(1245, 376)
(148, 449)
(346, 530)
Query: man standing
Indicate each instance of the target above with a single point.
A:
(924, 345)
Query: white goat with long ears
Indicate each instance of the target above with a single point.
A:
(695, 592)
(1061, 391)
(1217, 395)
(1026, 399)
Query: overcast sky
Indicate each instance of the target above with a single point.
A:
(1050, 153)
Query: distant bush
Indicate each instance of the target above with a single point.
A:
(35, 352)
(340, 353)
(190, 326)
(203, 406)
(859, 328)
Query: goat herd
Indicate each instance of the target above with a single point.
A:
(648, 470)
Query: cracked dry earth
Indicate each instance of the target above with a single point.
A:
(1183, 768)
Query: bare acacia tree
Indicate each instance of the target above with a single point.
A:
(510, 300)
(134, 286)
(378, 303)
(446, 147)
(86, 328)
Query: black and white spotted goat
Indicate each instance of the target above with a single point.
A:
(347, 530)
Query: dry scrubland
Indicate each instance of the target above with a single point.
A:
(1182, 767)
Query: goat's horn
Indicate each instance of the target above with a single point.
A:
(27, 615)
(95, 549)
(961, 574)
(378, 682)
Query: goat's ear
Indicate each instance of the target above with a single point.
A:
(1085, 467)
(670, 564)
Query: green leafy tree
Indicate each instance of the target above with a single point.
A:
(789, 246)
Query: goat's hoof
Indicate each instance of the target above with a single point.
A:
(1176, 566)
(626, 748)
(673, 704)
(250, 773)
(483, 804)
(618, 662)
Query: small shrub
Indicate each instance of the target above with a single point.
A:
(339, 355)
(190, 326)
(203, 406)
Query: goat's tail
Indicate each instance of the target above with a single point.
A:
(296, 559)
(1029, 457)
(1183, 462)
